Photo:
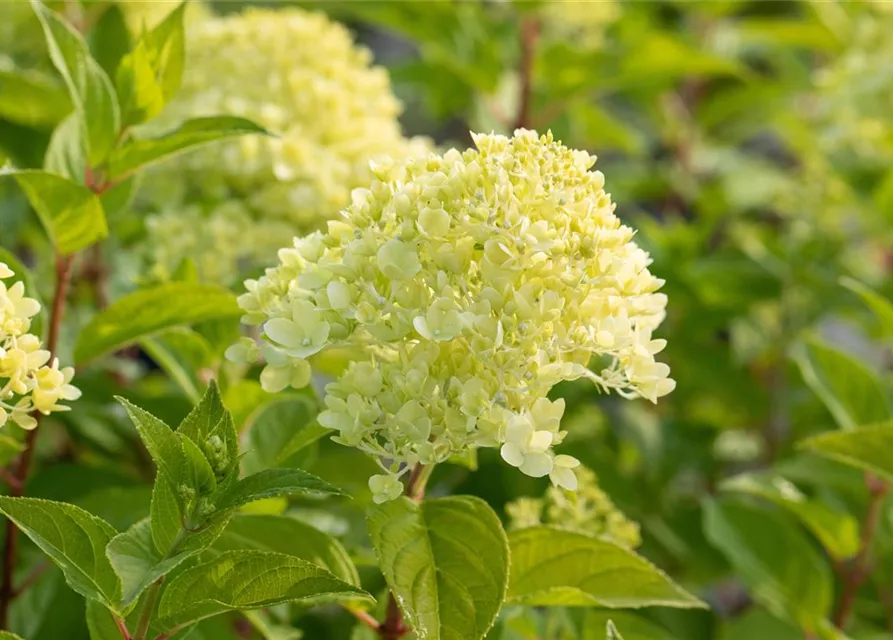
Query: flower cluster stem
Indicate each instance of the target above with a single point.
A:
(23, 466)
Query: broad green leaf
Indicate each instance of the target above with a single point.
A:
(138, 563)
(65, 155)
(49, 609)
(849, 390)
(783, 569)
(247, 580)
(210, 426)
(73, 539)
(838, 531)
(280, 429)
(149, 311)
(141, 152)
(879, 305)
(71, 214)
(289, 536)
(445, 560)
(149, 76)
(90, 88)
(272, 483)
(160, 440)
(8, 635)
(32, 98)
(869, 448)
(557, 567)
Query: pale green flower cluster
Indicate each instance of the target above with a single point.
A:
(27, 382)
(300, 76)
(588, 510)
(581, 22)
(854, 91)
(475, 281)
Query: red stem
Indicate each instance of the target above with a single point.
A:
(530, 29)
(858, 572)
(20, 475)
(122, 627)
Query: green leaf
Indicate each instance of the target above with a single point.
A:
(851, 392)
(32, 98)
(138, 563)
(838, 531)
(149, 311)
(101, 622)
(150, 75)
(869, 448)
(634, 626)
(209, 421)
(281, 429)
(247, 580)
(272, 483)
(162, 443)
(446, 560)
(782, 568)
(8, 635)
(73, 539)
(65, 155)
(611, 631)
(289, 536)
(71, 214)
(203, 479)
(557, 567)
(90, 88)
(168, 516)
(879, 305)
(141, 152)
(180, 352)
(10, 448)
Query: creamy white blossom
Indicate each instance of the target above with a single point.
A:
(475, 282)
(28, 380)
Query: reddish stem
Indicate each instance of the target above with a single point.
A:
(530, 29)
(122, 627)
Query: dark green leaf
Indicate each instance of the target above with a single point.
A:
(74, 539)
(149, 311)
(247, 580)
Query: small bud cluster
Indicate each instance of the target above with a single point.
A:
(588, 510)
(329, 111)
(475, 282)
(27, 382)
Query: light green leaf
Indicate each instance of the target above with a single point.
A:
(10, 448)
(272, 483)
(557, 567)
(138, 563)
(71, 214)
(141, 152)
(32, 98)
(149, 311)
(209, 422)
(634, 626)
(838, 531)
(879, 305)
(611, 631)
(869, 448)
(90, 88)
(280, 429)
(167, 516)
(203, 480)
(289, 536)
(149, 76)
(783, 569)
(247, 580)
(65, 155)
(446, 560)
(849, 390)
(8, 635)
(73, 539)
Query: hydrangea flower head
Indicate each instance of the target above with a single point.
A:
(330, 111)
(475, 281)
(27, 382)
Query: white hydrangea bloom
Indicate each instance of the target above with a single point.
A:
(475, 281)
(27, 382)
(300, 76)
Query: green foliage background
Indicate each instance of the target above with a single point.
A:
(750, 143)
